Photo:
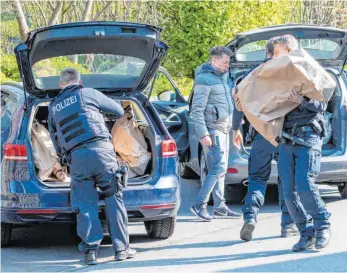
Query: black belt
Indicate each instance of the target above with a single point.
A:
(101, 143)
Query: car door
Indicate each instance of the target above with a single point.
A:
(171, 106)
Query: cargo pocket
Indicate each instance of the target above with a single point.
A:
(314, 163)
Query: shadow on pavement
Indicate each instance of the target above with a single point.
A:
(336, 262)
(205, 244)
(188, 261)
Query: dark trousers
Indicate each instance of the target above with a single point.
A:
(93, 166)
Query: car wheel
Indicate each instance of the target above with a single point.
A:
(160, 229)
(6, 234)
(235, 194)
(203, 174)
(343, 190)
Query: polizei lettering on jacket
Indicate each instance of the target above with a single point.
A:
(63, 104)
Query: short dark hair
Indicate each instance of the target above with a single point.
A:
(287, 40)
(219, 51)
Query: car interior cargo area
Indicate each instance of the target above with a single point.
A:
(132, 139)
(332, 142)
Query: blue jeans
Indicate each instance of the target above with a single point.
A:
(91, 167)
(298, 167)
(217, 162)
(259, 170)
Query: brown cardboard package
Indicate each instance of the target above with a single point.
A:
(130, 144)
(263, 93)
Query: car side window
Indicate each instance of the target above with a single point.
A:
(162, 89)
(8, 106)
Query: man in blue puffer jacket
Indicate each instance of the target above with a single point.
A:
(212, 110)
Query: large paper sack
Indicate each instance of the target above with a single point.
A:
(45, 156)
(130, 144)
(263, 93)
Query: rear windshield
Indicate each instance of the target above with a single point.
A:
(320, 49)
(115, 70)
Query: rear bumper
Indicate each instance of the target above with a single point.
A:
(143, 203)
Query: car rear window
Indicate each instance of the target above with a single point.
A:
(320, 49)
(122, 71)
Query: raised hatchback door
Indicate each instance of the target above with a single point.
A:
(327, 45)
(110, 56)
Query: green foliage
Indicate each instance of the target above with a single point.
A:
(193, 28)
(53, 66)
(9, 68)
(184, 84)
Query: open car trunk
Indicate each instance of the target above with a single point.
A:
(333, 143)
(143, 143)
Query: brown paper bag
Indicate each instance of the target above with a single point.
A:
(130, 144)
(264, 91)
(45, 156)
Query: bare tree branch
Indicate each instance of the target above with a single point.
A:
(102, 11)
(20, 16)
(41, 11)
(75, 11)
(51, 4)
(55, 14)
(87, 10)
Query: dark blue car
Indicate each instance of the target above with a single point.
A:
(118, 59)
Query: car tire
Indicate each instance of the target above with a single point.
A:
(203, 173)
(343, 190)
(160, 229)
(6, 234)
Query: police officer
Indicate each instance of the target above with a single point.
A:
(79, 133)
(259, 168)
(299, 165)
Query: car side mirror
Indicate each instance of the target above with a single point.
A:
(167, 95)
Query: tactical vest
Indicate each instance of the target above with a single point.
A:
(75, 122)
(302, 117)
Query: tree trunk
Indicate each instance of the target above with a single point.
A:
(20, 16)
(56, 13)
(87, 10)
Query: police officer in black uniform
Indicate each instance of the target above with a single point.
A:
(79, 134)
(299, 164)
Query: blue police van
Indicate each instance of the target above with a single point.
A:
(118, 59)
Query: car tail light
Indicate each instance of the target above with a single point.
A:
(168, 148)
(232, 170)
(15, 152)
(161, 206)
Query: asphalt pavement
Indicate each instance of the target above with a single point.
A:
(195, 246)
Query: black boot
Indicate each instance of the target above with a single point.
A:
(305, 242)
(248, 227)
(323, 238)
(90, 257)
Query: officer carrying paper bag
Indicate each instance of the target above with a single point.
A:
(288, 110)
